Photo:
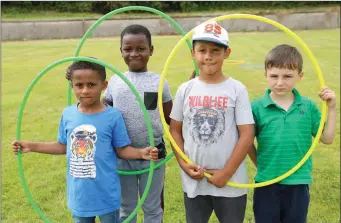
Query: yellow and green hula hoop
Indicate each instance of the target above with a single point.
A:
(319, 75)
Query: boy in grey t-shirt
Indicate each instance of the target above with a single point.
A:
(136, 48)
(212, 122)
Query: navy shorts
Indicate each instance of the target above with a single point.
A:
(281, 203)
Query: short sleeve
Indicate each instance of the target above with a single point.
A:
(62, 134)
(107, 93)
(166, 94)
(243, 111)
(255, 118)
(315, 119)
(120, 136)
(178, 104)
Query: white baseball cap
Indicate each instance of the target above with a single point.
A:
(212, 32)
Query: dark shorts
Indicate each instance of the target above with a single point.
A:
(281, 203)
(227, 209)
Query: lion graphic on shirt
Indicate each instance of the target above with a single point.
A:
(208, 124)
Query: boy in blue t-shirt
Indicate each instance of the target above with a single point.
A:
(91, 135)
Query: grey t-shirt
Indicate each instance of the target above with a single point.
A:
(210, 114)
(119, 93)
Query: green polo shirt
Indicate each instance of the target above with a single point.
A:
(284, 137)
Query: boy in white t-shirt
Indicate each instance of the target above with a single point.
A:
(212, 123)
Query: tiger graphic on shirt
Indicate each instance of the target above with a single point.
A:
(82, 152)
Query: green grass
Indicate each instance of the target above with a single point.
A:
(40, 15)
(45, 174)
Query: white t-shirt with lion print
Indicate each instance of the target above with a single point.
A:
(210, 114)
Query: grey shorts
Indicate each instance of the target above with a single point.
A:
(227, 209)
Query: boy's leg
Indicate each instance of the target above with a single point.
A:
(198, 209)
(266, 204)
(84, 219)
(162, 154)
(295, 203)
(129, 196)
(112, 217)
(152, 206)
(162, 197)
(230, 209)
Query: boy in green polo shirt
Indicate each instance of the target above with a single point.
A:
(285, 123)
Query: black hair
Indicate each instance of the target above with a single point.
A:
(137, 29)
(80, 65)
(193, 75)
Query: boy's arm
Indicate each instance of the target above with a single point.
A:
(330, 126)
(167, 108)
(176, 132)
(253, 154)
(193, 170)
(167, 102)
(246, 138)
(242, 148)
(120, 141)
(328, 133)
(246, 129)
(56, 148)
(130, 153)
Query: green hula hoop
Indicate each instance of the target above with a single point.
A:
(319, 75)
(90, 31)
(18, 130)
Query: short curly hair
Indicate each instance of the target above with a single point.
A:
(136, 29)
(81, 65)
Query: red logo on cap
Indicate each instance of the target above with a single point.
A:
(213, 28)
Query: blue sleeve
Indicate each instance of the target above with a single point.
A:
(120, 136)
(62, 135)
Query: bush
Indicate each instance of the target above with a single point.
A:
(165, 6)
(61, 6)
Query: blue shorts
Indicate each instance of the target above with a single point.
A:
(281, 203)
(112, 217)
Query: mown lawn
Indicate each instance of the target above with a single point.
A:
(22, 61)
